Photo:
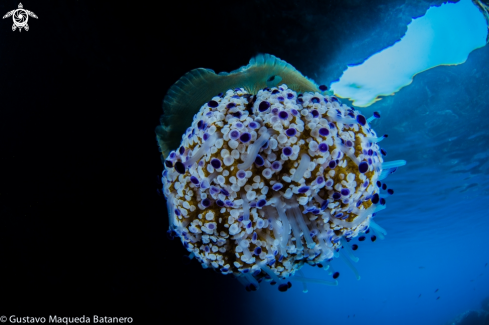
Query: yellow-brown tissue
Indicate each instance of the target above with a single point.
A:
(262, 184)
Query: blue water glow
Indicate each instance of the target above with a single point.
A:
(444, 36)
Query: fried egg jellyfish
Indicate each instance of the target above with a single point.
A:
(271, 173)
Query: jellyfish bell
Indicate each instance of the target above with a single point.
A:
(248, 197)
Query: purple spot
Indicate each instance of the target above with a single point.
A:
(294, 112)
(240, 218)
(241, 174)
(206, 136)
(332, 164)
(376, 114)
(320, 180)
(390, 191)
(214, 190)
(277, 186)
(315, 113)
(382, 201)
(168, 164)
(224, 191)
(299, 101)
(264, 106)
(177, 212)
(257, 250)
(220, 203)
(213, 104)
(179, 167)
(234, 134)
(194, 180)
(336, 196)
(245, 137)
(323, 131)
(276, 165)
(303, 189)
(324, 205)
(230, 105)
(349, 143)
(280, 99)
(216, 163)
(361, 238)
(275, 91)
(200, 125)
(261, 203)
(239, 125)
(275, 111)
(361, 120)
(283, 115)
(259, 161)
(287, 151)
(375, 198)
(331, 125)
(253, 125)
(336, 275)
(206, 202)
(291, 132)
(237, 114)
(370, 152)
(210, 226)
(363, 167)
(383, 152)
(369, 161)
(172, 155)
(345, 192)
(323, 88)
(290, 96)
(229, 203)
(315, 100)
(255, 236)
(373, 238)
(323, 147)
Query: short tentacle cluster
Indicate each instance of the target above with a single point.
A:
(262, 184)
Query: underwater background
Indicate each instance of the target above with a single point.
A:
(83, 230)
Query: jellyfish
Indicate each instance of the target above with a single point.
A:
(265, 172)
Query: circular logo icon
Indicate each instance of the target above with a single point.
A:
(20, 17)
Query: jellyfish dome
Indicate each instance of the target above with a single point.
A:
(270, 173)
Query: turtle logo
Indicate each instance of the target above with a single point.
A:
(20, 17)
